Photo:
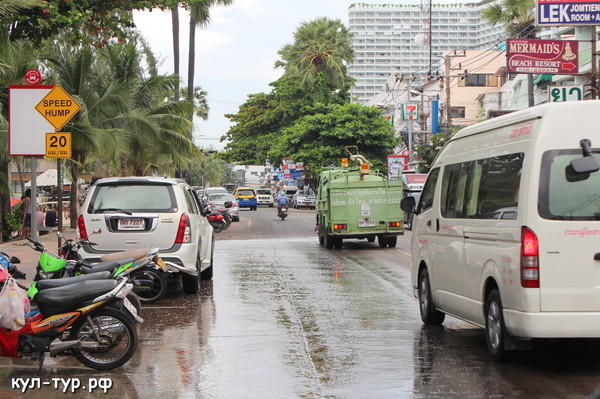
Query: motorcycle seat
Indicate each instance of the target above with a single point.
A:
(131, 253)
(104, 266)
(61, 282)
(69, 297)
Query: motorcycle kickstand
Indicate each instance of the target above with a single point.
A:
(40, 359)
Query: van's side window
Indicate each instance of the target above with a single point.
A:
(482, 189)
(427, 195)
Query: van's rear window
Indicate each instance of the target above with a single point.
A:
(133, 198)
(564, 195)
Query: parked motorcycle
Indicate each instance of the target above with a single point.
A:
(81, 320)
(220, 219)
(283, 212)
(143, 267)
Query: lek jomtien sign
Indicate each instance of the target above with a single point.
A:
(542, 56)
(568, 12)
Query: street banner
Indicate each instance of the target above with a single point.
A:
(396, 164)
(567, 12)
(542, 56)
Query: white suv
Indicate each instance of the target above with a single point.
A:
(132, 212)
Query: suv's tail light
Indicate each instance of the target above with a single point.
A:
(184, 232)
(83, 235)
(530, 268)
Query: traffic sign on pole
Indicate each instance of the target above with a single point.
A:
(58, 107)
(58, 145)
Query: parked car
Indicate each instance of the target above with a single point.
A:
(135, 212)
(264, 197)
(302, 199)
(246, 197)
(217, 201)
(213, 190)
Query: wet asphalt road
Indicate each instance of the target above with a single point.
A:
(286, 318)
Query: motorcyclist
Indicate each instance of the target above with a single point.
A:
(282, 200)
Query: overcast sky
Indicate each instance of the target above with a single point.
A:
(235, 54)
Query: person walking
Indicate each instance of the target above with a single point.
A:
(26, 213)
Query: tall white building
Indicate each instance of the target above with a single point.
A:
(394, 38)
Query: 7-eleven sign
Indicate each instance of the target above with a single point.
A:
(410, 112)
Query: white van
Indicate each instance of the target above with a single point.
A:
(506, 234)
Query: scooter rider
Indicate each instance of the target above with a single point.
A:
(282, 200)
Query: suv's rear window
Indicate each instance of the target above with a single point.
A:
(264, 192)
(561, 199)
(133, 198)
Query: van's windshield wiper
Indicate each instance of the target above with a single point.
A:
(100, 210)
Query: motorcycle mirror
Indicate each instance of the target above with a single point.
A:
(97, 231)
(15, 260)
(228, 204)
(59, 234)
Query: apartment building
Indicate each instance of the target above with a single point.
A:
(394, 38)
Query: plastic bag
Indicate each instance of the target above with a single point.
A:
(14, 303)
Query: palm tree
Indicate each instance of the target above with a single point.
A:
(518, 18)
(319, 55)
(175, 23)
(199, 16)
(10, 7)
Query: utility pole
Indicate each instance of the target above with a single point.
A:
(448, 113)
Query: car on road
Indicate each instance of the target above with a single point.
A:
(246, 197)
(213, 190)
(126, 213)
(217, 201)
(303, 199)
(264, 197)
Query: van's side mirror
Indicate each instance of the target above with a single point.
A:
(586, 164)
(407, 204)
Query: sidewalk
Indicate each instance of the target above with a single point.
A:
(29, 257)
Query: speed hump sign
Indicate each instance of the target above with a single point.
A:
(58, 145)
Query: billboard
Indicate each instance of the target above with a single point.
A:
(567, 12)
(542, 56)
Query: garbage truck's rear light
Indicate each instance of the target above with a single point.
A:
(530, 271)
(83, 235)
(184, 232)
(339, 226)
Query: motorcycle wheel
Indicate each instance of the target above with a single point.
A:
(113, 334)
(217, 227)
(149, 284)
(135, 301)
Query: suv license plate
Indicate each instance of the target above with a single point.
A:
(131, 224)
(366, 222)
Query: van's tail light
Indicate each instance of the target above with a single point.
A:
(184, 232)
(339, 226)
(530, 270)
(396, 225)
(83, 235)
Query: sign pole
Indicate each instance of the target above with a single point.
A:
(59, 205)
(33, 200)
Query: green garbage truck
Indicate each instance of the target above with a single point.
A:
(355, 202)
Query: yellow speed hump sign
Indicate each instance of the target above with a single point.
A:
(58, 107)
(58, 145)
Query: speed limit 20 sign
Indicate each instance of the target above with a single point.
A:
(58, 145)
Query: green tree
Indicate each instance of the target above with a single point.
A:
(518, 18)
(318, 57)
(259, 121)
(427, 152)
(89, 21)
(319, 139)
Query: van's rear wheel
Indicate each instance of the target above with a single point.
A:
(328, 241)
(391, 241)
(382, 241)
(495, 331)
(429, 315)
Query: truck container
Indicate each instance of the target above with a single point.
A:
(358, 203)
